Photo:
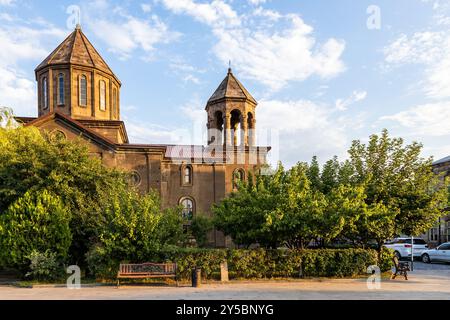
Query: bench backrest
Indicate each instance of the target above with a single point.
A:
(158, 268)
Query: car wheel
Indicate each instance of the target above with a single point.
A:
(398, 255)
(426, 258)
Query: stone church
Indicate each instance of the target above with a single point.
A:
(79, 96)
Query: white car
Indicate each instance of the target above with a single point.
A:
(402, 247)
(439, 254)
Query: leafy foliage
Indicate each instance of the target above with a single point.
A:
(200, 226)
(135, 228)
(55, 196)
(261, 263)
(34, 222)
(44, 266)
(384, 189)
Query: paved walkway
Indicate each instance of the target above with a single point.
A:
(426, 282)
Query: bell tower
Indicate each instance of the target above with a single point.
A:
(231, 114)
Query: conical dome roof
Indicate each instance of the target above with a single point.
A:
(77, 50)
(231, 87)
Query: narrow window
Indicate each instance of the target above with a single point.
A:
(44, 93)
(114, 103)
(60, 89)
(83, 91)
(187, 175)
(102, 95)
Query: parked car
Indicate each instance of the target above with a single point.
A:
(402, 247)
(439, 254)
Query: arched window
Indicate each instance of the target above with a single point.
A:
(102, 95)
(135, 178)
(83, 90)
(60, 89)
(114, 103)
(187, 208)
(44, 93)
(187, 175)
(238, 176)
(235, 122)
(58, 134)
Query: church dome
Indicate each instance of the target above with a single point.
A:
(76, 49)
(231, 88)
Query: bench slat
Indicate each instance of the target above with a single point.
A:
(137, 270)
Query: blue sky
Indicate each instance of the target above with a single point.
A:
(322, 77)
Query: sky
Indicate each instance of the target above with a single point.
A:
(324, 72)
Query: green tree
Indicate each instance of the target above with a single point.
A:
(200, 227)
(37, 221)
(313, 174)
(245, 214)
(402, 193)
(330, 175)
(135, 229)
(32, 161)
(300, 209)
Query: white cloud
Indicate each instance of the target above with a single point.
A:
(17, 91)
(146, 7)
(267, 13)
(193, 132)
(214, 14)
(431, 49)
(124, 33)
(271, 54)
(256, 2)
(356, 96)
(145, 133)
(185, 71)
(275, 59)
(430, 119)
(21, 42)
(6, 2)
(305, 129)
(421, 47)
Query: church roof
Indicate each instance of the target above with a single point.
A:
(231, 88)
(76, 49)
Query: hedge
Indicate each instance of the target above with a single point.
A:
(280, 263)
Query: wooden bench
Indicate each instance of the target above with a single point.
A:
(401, 268)
(147, 270)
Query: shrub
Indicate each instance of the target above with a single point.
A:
(44, 266)
(134, 229)
(38, 221)
(386, 256)
(188, 258)
(200, 227)
(261, 263)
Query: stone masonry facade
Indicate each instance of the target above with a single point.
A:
(79, 96)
